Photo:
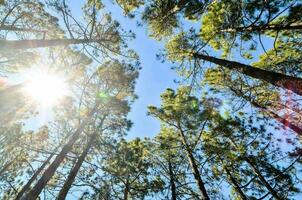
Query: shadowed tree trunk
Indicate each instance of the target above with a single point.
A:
(194, 166)
(235, 184)
(272, 27)
(127, 189)
(272, 114)
(277, 79)
(33, 178)
(262, 179)
(74, 171)
(172, 181)
(49, 172)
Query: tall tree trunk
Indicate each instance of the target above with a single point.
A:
(172, 181)
(127, 189)
(71, 177)
(235, 184)
(277, 79)
(49, 172)
(194, 167)
(30, 44)
(14, 28)
(272, 114)
(258, 174)
(272, 27)
(262, 179)
(33, 178)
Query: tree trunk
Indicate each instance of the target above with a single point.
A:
(126, 190)
(285, 122)
(49, 172)
(277, 79)
(33, 178)
(172, 181)
(235, 184)
(273, 27)
(194, 167)
(262, 179)
(71, 177)
(6, 45)
(13, 28)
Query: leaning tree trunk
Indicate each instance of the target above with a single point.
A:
(33, 178)
(194, 167)
(277, 79)
(270, 27)
(172, 181)
(6, 45)
(262, 179)
(235, 184)
(49, 172)
(274, 115)
(19, 29)
(259, 175)
(71, 177)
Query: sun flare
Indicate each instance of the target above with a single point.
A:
(45, 88)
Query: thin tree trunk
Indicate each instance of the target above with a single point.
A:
(262, 179)
(277, 79)
(33, 178)
(194, 167)
(29, 44)
(235, 184)
(126, 190)
(49, 172)
(285, 122)
(273, 27)
(71, 177)
(172, 181)
(259, 175)
(13, 28)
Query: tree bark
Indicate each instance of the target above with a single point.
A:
(30, 44)
(194, 167)
(277, 79)
(280, 119)
(272, 27)
(13, 28)
(49, 172)
(172, 181)
(235, 184)
(33, 178)
(262, 179)
(71, 177)
(126, 190)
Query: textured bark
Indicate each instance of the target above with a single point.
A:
(33, 178)
(49, 172)
(277, 79)
(74, 171)
(194, 168)
(30, 44)
(172, 181)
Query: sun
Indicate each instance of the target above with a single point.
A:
(45, 88)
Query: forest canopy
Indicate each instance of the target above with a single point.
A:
(151, 99)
